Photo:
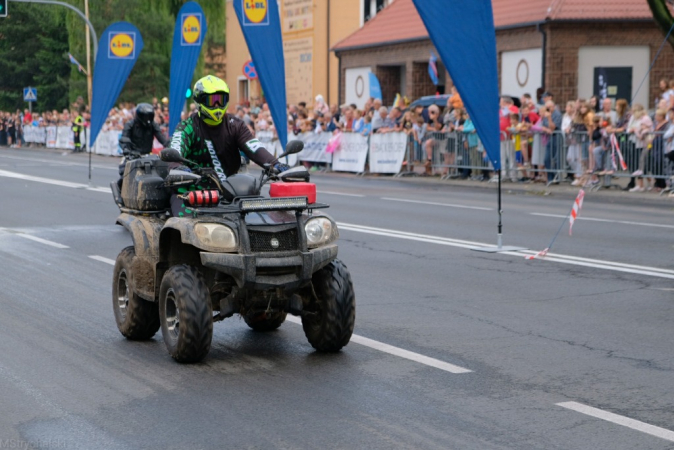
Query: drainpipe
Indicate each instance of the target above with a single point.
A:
(328, 53)
(545, 52)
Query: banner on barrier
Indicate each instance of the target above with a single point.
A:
(51, 137)
(352, 153)
(314, 147)
(387, 152)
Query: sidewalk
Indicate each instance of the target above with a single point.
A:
(563, 190)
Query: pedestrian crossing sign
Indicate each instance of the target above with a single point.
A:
(30, 94)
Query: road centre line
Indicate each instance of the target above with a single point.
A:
(396, 351)
(34, 238)
(552, 257)
(6, 174)
(421, 202)
(57, 163)
(340, 193)
(406, 354)
(593, 219)
(103, 259)
(662, 433)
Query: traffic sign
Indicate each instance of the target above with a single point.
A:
(30, 94)
(3, 8)
(249, 70)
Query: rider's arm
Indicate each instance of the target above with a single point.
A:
(156, 131)
(252, 147)
(126, 133)
(183, 137)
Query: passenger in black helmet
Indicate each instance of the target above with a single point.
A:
(141, 131)
(138, 135)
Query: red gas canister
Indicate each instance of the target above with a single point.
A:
(298, 189)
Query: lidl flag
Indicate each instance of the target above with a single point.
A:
(261, 26)
(122, 43)
(188, 37)
(465, 38)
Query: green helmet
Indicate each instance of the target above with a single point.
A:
(212, 95)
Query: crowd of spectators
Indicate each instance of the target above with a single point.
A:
(534, 136)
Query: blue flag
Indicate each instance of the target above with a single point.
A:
(120, 45)
(375, 87)
(188, 36)
(433, 69)
(467, 48)
(261, 26)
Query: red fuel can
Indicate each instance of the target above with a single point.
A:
(298, 189)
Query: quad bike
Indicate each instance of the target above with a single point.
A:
(234, 251)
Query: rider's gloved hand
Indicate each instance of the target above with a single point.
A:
(280, 167)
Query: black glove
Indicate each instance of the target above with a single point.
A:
(280, 167)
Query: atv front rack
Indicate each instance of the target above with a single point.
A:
(245, 205)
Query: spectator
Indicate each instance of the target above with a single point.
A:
(367, 125)
(607, 111)
(649, 158)
(600, 149)
(455, 99)
(359, 121)
(378, 119)
(552, 122)
(320, 106)
(640, 127)
(433, 126)
(392, 121)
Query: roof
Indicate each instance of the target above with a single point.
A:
(400, 21)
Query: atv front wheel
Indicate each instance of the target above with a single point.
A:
(329, 321)
(137, 319)
(264, 322)
(185, 314)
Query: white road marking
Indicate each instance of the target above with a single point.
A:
(367, 342)
(594, 219)
(396, 351)
(103, 259)
(57, 163)
(662, 433)
(552, 257)
(340, 193)
(4, 173)
(42, 241)
(436, 204)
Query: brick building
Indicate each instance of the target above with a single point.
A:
(572, 48)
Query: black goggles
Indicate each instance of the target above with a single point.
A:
(212, 100)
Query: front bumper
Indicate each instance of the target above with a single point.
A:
(261, 271)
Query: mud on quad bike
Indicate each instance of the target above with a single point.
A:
(234, 251)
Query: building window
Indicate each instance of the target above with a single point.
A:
(243, 91)
(372, 7)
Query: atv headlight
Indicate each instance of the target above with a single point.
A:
(214, 237)
(319, 232)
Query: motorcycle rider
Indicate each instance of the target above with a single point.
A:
(141, 130)
(210, 137)
(138, 135)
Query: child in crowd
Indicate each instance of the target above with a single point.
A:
(367, 125)
(601, 146)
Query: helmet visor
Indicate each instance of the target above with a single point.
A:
(219, 99)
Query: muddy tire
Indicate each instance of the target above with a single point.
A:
(185, 313)
(137, 319)
(262, 322)
(331, 327)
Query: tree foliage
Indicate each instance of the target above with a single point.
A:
(33, 52)
(35, 41)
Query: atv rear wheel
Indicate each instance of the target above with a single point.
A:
(137, 319)
(330, 319)
(185, 313)
(264, 322)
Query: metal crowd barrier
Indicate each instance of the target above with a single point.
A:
(552, 158)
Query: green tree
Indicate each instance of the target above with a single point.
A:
(34, 52)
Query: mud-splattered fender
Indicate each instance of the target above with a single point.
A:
(145, 231)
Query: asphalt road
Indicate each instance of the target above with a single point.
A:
(455, 349)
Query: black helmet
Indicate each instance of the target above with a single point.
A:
(145, 114)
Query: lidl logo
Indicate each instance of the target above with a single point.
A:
(255, 12)
(122, 45)
(191, 29)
